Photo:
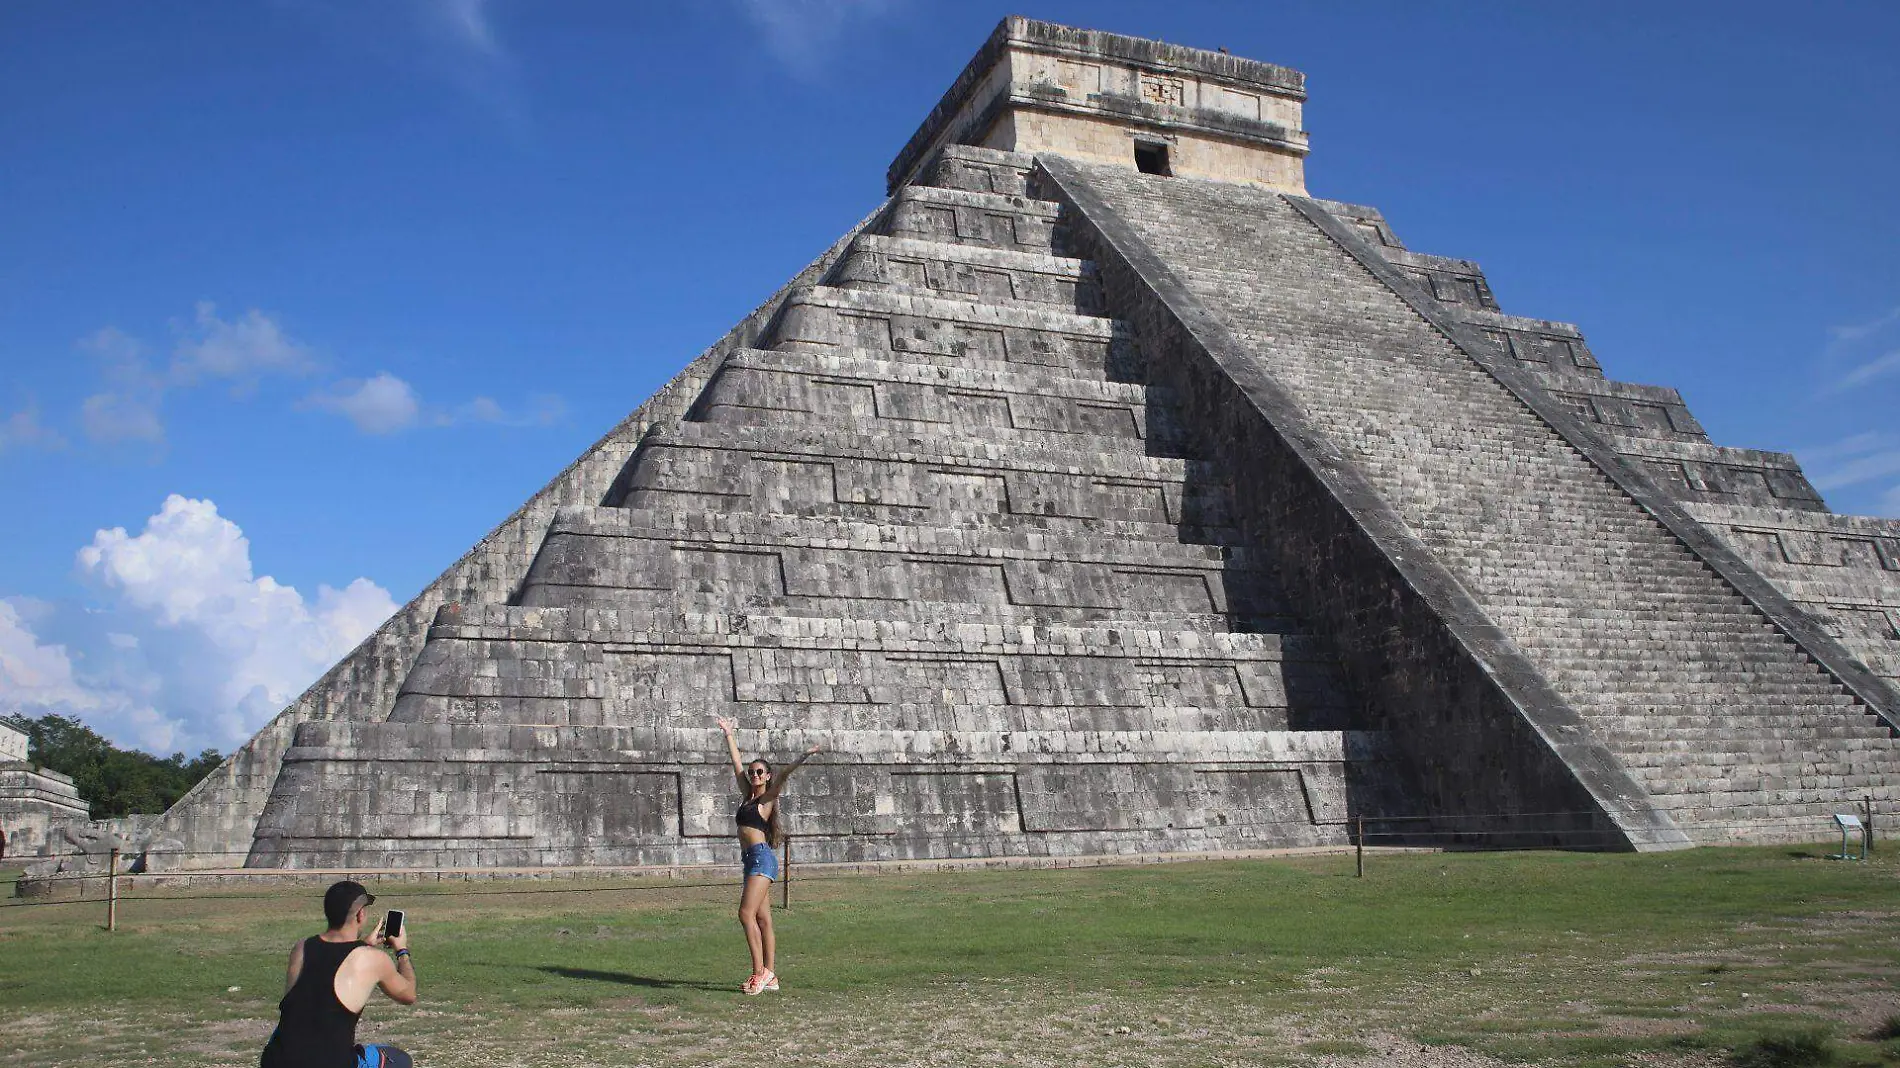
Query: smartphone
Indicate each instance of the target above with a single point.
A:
(392, 923)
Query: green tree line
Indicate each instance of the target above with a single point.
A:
(117, 782)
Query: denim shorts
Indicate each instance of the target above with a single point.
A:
(382, 1057)
(760, 859)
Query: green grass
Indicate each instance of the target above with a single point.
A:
(1528, 957)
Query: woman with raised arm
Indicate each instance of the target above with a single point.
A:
(758, 838)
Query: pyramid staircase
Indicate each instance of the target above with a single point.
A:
(1690, 681)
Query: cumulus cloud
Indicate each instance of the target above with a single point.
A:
(384, 404)
(804, 34)
(32, 673)
(187, 647)
(242, 349)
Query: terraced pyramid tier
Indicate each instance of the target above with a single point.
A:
(934, 522)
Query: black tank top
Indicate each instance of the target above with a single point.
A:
(314, 1030)
(750, 816)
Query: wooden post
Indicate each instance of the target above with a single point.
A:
(785, 877)
(1867, 826)
(112, 892)
(1359, 849)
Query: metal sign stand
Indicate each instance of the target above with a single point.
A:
(1849, 824)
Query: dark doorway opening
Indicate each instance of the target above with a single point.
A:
(1152, 158)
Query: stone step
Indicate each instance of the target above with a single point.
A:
(1742, 787)
(595, 555)
(1767, 757)
(596, 667)
(993, 220)
(1791, 735)
(825, 318)
(604, 626)
(894, 397)
(673, 602)
(993, 276)
(937, 481)
(979, 170)
(1134, 545)
(1660, 676)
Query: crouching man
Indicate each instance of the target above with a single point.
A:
(331, 977)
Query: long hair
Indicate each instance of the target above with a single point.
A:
(773, 834)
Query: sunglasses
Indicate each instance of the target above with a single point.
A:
(756, 772)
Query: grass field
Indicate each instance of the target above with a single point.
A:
(1751, 956)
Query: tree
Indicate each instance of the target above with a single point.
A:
(117, 782)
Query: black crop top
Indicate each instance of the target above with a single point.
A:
(750, 816)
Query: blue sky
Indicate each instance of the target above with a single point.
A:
(299, 298)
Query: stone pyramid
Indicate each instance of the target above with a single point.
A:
(1103, 493)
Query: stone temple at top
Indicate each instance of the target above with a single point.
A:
(1103, 492)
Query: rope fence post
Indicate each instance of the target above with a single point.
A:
(1867, 825)
(1359, 850)
(785, 880)
(112, 891)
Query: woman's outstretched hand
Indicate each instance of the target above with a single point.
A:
(813, 751)
(725, 724)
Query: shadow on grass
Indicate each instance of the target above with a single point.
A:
(648, 981)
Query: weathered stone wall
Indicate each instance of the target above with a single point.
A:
(1036, 87)
(13, 745)
(34, 804)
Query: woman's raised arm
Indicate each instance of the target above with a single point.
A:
(778, 781)
(732, 746)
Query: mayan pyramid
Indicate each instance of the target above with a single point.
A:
(1100, 493)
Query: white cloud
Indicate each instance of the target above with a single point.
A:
(466, 23)
(33, 674)
(23, 430)
(1854, 459)
(37, 678)
(128, 408)
(186, 647)
(804, 34)
(1879, 367)
(244, 349)
(1857, 331)
(543, 409)
(1852, 445)
(1862, 469)
(384, 404)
